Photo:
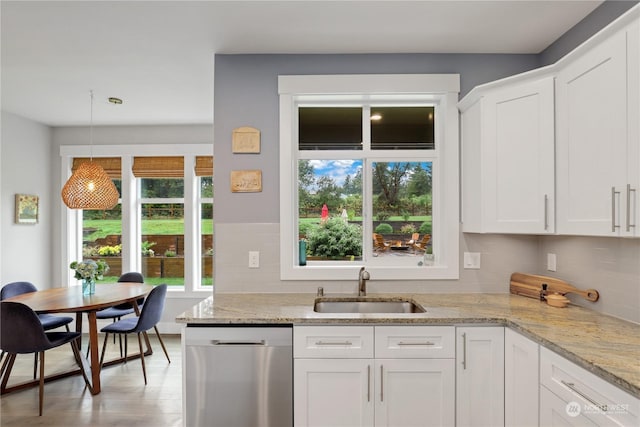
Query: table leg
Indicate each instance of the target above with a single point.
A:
(95, 361)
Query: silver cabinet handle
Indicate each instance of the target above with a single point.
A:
(423, 343)
(232, 342)
(613, 209)
(546, 212)
(464, 351)
(573, 388)
(368, 383)
(629, 191)
(381, 383)
(328, 343)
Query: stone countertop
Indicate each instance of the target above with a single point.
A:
(602, 344)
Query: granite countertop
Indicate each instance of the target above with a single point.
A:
(602, 344)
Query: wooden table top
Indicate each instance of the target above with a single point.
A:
(71, 300)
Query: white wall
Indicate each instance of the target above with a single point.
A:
(26, 168)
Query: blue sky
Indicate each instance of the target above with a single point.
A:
(339, 169)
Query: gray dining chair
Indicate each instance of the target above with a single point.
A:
(149, 318)
(49, 321)
(21, 332)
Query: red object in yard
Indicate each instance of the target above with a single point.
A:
(325, 213)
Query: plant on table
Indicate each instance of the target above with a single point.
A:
(89, 269)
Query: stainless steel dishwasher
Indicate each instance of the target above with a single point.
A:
(238, 376)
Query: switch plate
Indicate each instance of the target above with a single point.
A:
(472, 260)
(551, 262)
(254, 259)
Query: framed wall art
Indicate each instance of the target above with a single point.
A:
(26, 209)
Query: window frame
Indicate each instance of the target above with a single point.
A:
(442, 90)
(131, 228)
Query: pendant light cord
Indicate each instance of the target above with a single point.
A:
(91, 128)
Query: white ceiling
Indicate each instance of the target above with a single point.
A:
(158, 55)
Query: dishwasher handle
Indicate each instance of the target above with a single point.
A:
(239, 342)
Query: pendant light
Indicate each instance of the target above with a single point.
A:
(89, 187)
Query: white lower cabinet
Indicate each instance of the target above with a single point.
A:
(480, 376)
(347, 388)
(521, 380)
(571, 395)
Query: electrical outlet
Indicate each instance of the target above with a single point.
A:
(472, 260)
(551, 262)
(254, 259)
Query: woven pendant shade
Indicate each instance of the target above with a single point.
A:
(89, 187)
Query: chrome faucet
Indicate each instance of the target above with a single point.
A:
(363, 276)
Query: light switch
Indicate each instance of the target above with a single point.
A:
(472, 260)
(551, 262)
(254, 259)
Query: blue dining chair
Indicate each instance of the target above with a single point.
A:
(49, 321)
(21, 332)
(149, 318)
(117, 311)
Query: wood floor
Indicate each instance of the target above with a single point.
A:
(124, 400)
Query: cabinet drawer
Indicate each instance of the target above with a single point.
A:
(333, 341)
(415, 342)
(597, 399)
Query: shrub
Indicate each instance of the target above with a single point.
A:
(110, 250)
(383, 216)
(146, 248)
(335, 239)
(406, 215)
(425, 227)
(169, 253)
(384, 228)
(408, 229)
(304, 228)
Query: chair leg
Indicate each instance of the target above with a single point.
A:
(41, 395)
(104, 347)
(144, 370)
(162, 343)
(126, 347)
(35, 365)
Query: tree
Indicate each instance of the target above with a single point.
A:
(388, 179)
(419, 182)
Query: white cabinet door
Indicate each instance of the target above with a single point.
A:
(414, 392)
(555, 412)
(508, 160)
(521, 379)
(592, 140)
(480, 376)
(333, 392)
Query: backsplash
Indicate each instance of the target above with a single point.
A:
(608, 264)
(501, 256)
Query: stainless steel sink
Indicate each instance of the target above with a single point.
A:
(360, 305)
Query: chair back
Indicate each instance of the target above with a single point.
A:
(415, 237)
(152, 309)
(20, 329)
(425, 239)
(132, 276)
(16, 288)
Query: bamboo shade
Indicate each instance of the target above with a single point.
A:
(158, 167)
(204, 166)
(111, 165)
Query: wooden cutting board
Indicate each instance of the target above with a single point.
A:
(530, 285)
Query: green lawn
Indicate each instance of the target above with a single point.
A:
(357, 218)
(105, 227)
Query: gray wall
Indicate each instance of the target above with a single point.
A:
(246, 94)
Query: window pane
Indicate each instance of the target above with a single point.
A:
(330, 128)
(402, 128)
(402, 221)
(330, 209)
(102, 237)
(206, 229)
(162, 225)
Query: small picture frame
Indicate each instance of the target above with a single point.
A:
(246, 181)
(245, 140)
(27, 207)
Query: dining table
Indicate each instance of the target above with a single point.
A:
(71, 300)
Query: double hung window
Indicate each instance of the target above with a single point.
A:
(369, 176)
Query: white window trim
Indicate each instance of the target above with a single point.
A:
(443, 87)
(72, 219)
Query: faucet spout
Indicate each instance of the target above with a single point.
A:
(363, 276)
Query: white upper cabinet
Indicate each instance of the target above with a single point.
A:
(597, 137)
(508, 158)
